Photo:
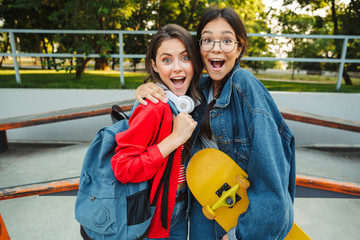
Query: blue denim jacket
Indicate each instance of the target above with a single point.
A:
(248, 126)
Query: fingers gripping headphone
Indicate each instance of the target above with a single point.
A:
(183, 103)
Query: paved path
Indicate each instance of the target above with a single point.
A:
(52, 217)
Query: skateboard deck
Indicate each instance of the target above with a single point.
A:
(220, 185)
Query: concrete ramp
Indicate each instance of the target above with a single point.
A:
(52, 216)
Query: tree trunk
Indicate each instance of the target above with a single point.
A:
(81, 64)
(191, 15)
(334, 17)
(42, 61)
(346, 78)
(338, 48)
(48, 63)
(2, 59)
(78, 73)
(113, 64)
(54, 61)
(101, 64)
(294, 63)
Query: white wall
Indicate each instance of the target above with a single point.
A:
(16, 102)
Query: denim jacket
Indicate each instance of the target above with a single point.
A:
(248, 126)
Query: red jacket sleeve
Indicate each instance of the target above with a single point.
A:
(137, 157)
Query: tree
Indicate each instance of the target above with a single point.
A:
(4, 45)
(12, 19)
(350, 22)
(293, 23)
(94, 15)
(338, 17)
(140, 18)
(112, 15)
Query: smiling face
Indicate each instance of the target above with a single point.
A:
(217, 62)
(174, 66)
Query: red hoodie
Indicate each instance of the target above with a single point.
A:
(137, 157)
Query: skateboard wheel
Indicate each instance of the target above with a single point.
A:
(242, 181)
(208, 212)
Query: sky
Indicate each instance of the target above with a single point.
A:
(277, 4)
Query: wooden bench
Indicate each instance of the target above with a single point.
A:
(320, 120)
(57, 116)
(343, 189)
(105, 108)
(4, 235)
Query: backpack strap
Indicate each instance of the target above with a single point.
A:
(166, 183)
(117, 114)
(165, 180)
(164, 199)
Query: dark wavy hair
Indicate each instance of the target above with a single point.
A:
(238, 26)
(171, 31)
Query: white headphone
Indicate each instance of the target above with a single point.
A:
(183, 103)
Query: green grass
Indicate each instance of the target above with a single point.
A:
(298, 77)
(308, 87)
(60, 79)
(93, 79)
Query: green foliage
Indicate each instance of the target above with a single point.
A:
(4, 45)
(339, 19)
(151, 14)
(140, 19)
(110, 15)
(59, 64)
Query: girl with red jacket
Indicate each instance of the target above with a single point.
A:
(154, 132)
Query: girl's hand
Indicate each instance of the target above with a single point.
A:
(183, 127)
(225, 237)
(152, 92)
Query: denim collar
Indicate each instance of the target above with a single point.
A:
(225, 96)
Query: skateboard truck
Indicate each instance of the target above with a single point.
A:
(229, 200)
(227, 197)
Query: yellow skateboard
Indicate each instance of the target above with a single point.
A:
(220, 186)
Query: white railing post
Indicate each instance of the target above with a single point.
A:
(13, 52)
(342, 63)
(121, 51)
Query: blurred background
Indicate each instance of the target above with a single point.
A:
(301, 17)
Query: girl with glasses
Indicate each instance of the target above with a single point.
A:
(239, 117)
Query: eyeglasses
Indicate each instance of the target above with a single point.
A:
(226, 44)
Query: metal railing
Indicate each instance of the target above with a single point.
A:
(14, 53)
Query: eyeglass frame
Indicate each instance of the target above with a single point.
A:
(214, 41)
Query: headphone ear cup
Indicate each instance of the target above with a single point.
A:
(186, 104)
(183, 103)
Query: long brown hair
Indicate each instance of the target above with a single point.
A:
(171, 31)
(238, 26)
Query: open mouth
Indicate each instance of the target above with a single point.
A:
(178, 81)
(217, 63)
